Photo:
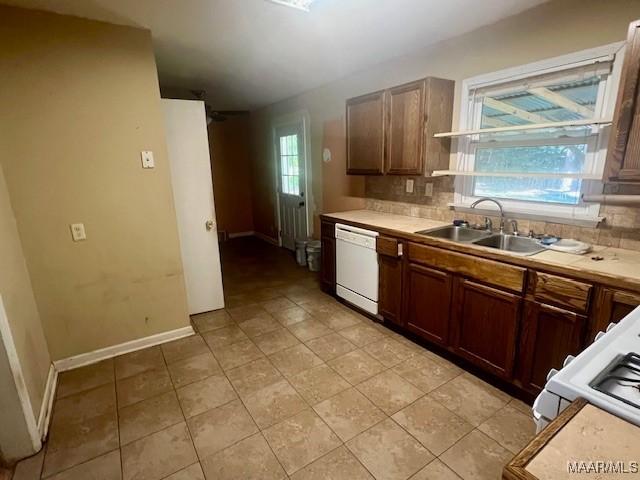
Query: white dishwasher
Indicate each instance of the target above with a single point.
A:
(357, 267)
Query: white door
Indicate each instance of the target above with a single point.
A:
(290, 156)
(188, 147)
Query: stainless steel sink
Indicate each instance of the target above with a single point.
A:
(511, 243)
(456, 234)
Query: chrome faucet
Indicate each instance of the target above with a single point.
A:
(514, 227)
(488, 199)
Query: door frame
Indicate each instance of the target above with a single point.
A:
(300, 117)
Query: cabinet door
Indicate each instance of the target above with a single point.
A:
(548, 335)
(390, 296)
(438, 116)
(486, 326)
(366, 134)
(610, 306)
(328, 265)
(623, 154)
(406, 129)
(428, 302)
(390, 278)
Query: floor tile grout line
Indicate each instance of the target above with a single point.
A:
(78, 464)
(115, 387)
(309, 406)
(310, 292)
(239, 397)
(186, 422)
(94, 457)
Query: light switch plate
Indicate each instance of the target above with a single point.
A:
(147, 159)
(428, 189)
(409, 185)
(77, 232)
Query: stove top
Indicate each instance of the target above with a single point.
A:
(621, 379)
(607, 373)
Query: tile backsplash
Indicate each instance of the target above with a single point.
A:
(621, 227)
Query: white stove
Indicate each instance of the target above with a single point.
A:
(606, 374)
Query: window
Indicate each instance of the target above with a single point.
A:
(289, 164)
(536, 136)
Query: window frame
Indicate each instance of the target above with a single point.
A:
(286, 132)
(597, 141)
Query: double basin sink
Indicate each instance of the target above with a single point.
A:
(500, 241)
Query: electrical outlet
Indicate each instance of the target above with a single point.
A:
(409, 185)
(147, 159)
(77, 232)
(428, 189)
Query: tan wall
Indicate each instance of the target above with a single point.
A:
(229, 143)
(28, 337)
(15, 442)
(342, 192)
(554, 28)
(80, 100)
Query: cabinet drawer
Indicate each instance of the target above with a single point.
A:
(388, 246)
(560, 291)
(488, 271)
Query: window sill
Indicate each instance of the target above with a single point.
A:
(586, 222)
(465, 173)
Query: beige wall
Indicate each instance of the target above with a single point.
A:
(22, 315)
(15, 442)
(231, 169)
(554, 28)
(80, 100)
(342, 192)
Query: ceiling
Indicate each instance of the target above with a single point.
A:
(250, 53)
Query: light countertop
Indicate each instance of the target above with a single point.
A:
(617, 263)
(592, 435)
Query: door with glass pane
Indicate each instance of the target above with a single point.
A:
(291, 181)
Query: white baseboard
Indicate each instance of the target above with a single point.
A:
(242, 234)
(270, 240)
(109, 352)
(47, 402)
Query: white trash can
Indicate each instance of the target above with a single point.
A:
(301, 251)
(313, 255)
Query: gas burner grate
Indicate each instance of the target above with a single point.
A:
(621, 380)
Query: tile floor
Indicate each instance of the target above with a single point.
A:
(284, 383)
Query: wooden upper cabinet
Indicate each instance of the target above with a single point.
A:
(406, 129)
(623, 154)
(438, 113)
(391, 131)
(366, 134)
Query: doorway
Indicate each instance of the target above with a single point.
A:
(292, 182)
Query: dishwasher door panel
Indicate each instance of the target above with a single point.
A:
(357, 269)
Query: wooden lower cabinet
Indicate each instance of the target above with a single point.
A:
(548, 335)
(427, 303)
(328, 265)
(390, 292)
(611, 306)
(485, 326)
